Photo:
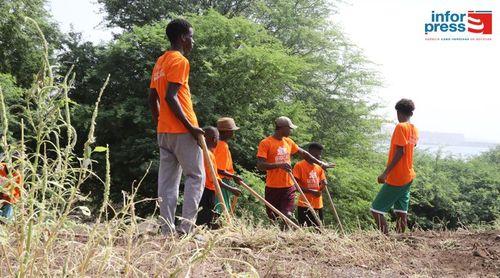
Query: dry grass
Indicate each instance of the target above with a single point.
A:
(124, 249)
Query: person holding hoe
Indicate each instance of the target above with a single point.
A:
(226, 127)
(312, 179)
(274, 157)
(177, 129)
(208, 213)
(398, 174)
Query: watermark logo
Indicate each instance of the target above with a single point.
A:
(480, 22)
(448, 25)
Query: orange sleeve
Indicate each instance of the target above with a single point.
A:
(13, 190)
(322, 176)
(16, 191)
(156, 73)
(263, 149)
(219, 153)
(296, 171)
(214, 163)
(295, 147)
(178, 71)
(208, 181)
(399, 136)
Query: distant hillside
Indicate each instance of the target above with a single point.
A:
(450, 139)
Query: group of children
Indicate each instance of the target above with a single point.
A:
(274, 156)
(179, 133)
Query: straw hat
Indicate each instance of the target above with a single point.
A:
(226, 123)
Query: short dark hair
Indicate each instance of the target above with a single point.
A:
(211, 131)
(315, 146)
(176, 28)
(405, 106)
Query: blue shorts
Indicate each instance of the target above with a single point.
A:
(6, 211)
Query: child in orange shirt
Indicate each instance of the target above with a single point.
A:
(207, 214)
(226, 127)
(399, 173)
(274, 157)
(312, 180)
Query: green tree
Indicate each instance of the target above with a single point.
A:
(12, 95)
(129, 13)
(450, 192)
(21, 52)
(338, 78)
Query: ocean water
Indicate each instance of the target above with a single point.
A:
(457, 151)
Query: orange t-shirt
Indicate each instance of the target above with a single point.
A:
(406, 136)
(209, 184)
(309, 176)
(223, 157)
(173, 67)
(277, 151)
(10, 192)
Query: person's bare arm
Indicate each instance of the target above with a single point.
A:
(307, 156)
(322, 185)
(263, 165)
(173, 102)
(233, 190)
(153, 105)
(225, 173)
(398, 154)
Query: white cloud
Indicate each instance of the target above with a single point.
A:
(83, 16)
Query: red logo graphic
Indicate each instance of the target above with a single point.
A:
(480, 22)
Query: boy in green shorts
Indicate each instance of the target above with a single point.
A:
(399, 173)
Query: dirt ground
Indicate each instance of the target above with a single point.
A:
(248, 251)
(417, 254)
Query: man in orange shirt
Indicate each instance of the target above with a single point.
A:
(398, 174)
(226, 127)
(312, 179)
(208, 203)
(177, 129)
(273, 156)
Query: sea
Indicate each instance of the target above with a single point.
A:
(456, 151)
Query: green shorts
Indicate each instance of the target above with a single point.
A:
(227, 197)
(389, 196)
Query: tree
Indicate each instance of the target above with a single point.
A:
(338, 79)
(129, 13)
(20, 42)
(450, 192)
